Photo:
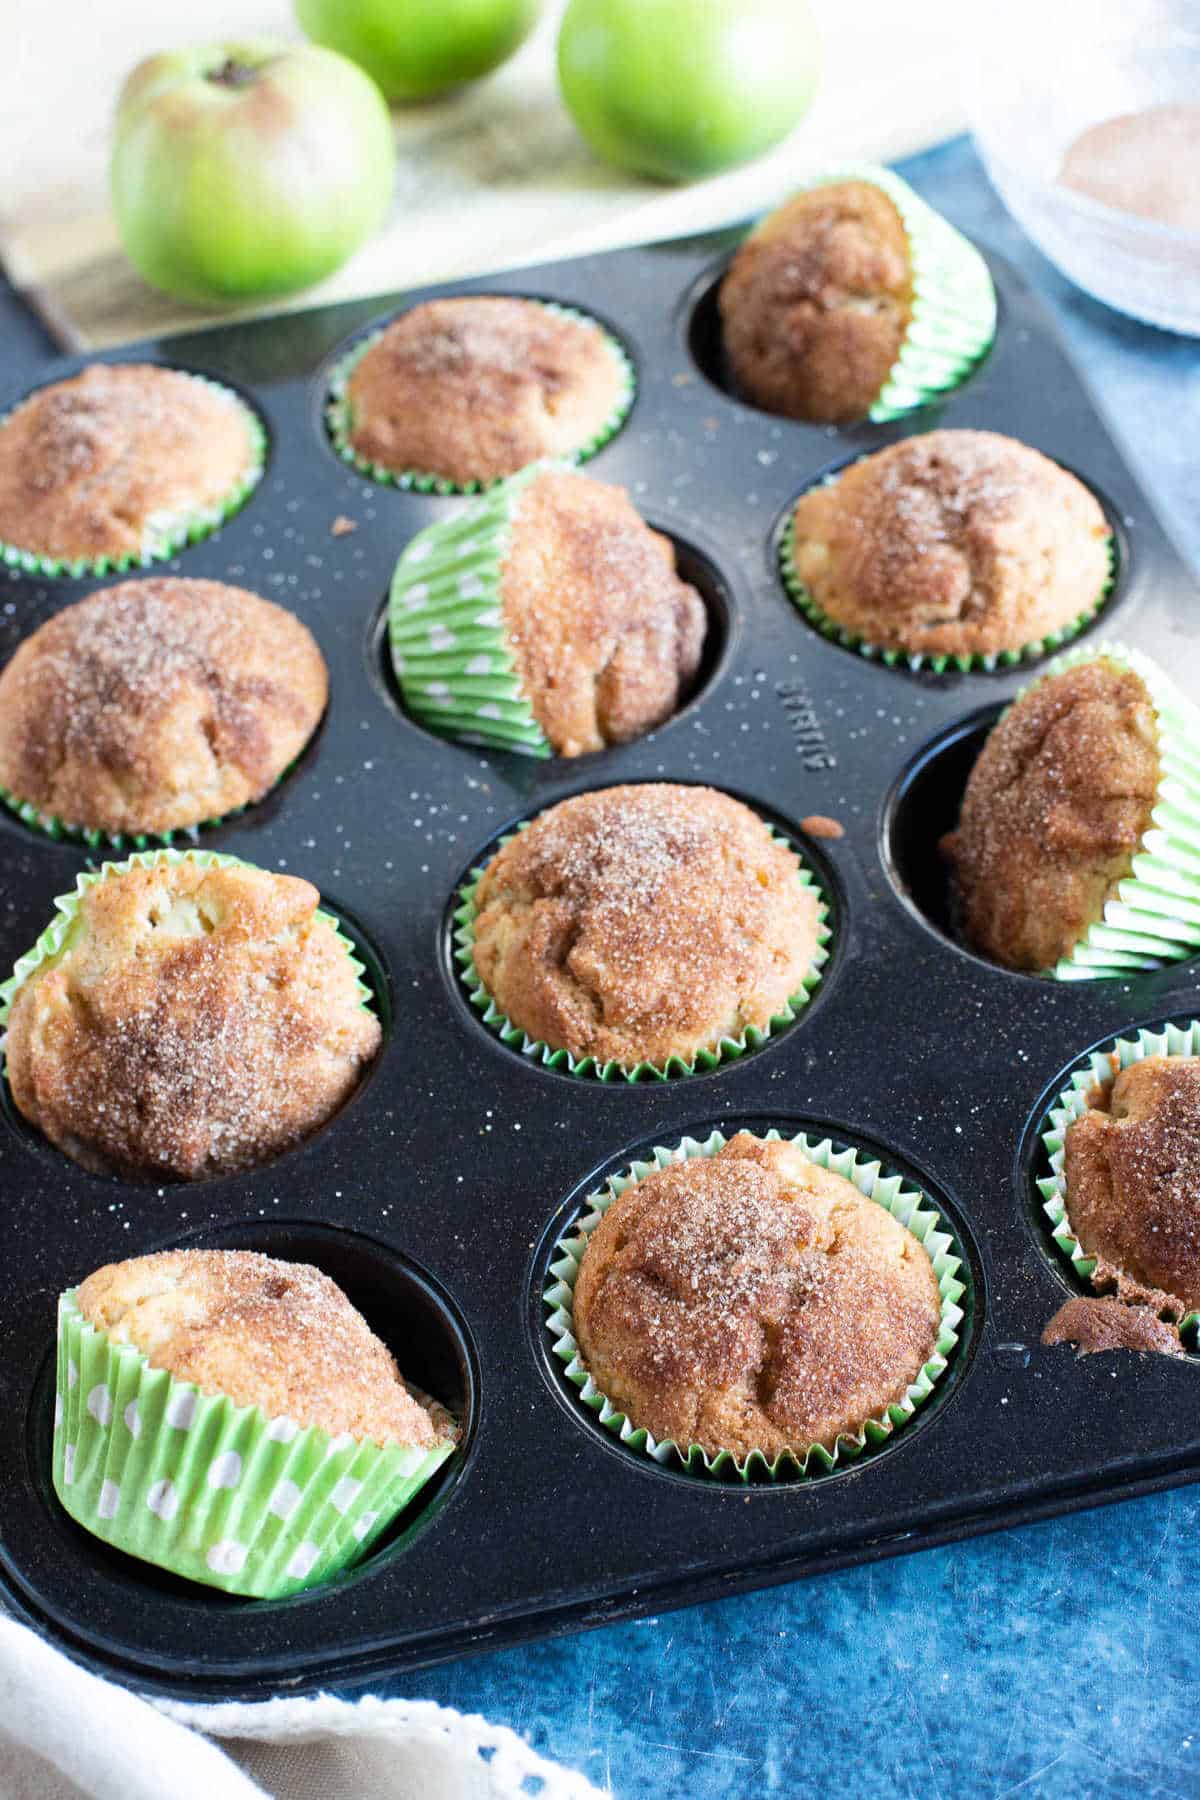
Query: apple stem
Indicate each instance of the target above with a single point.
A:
(232, 74)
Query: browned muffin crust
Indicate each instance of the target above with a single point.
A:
(110, 461)
(154, 705)
(953, 543)
(277, 1335)
(198, 1021)
(1132, 1169)
(605, 636)
(1054, 810)
(1093, 1324)
(753, 1301)
(817, 301)
(638, 923)
(477, 387)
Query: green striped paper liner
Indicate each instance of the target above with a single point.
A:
(1097, 1070)
(941, 662)
(906, 1204)
(339, 420)
(213, 1491)
(56, 939)
(446, 631)
(168, 533)
(1153, 917)
(728, 1049)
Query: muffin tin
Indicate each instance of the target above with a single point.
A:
(437, 1194)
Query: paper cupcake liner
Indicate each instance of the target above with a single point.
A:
(728, 1049)
(906, 1204)
(446, 631)
(914, 660)
(54, 939)
(1154, 915)
(339, 424)
(216, 1492)
(166, 533)
(1100, 1069)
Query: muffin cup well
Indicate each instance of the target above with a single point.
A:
(1100, 1070)
(728, 1050)
(216, 1492)
(906, 1204)
(449, 649)
(937, 664)
(1154, 916)
(339, 422)
(54, 939)
(165, 535)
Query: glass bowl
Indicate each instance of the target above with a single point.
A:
(1050, 70)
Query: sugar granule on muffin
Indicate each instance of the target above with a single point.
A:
(753, 1300)
(953, 543)
(113, 465)
(636, 924)
(196, 1019)
(817, 301)
(473, 388)
(1055, 808)
(277, 1335)
(157, 704)
(1132, 1170)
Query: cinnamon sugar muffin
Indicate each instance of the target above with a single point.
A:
(155, 705)
(185, 1016)
(231, 1418)
(277, 1335)
(1094, 1323)
(470, 389)
(639, 924)
(1132, 1168)
(817, 301)
(122, 463)
(753, 1300)
(954, 544)
(597, 640)
(1055, 809)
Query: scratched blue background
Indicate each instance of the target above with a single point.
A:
(1054, 1660)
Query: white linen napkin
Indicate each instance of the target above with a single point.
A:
(68, 1735)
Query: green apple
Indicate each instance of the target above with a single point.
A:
(248, 169)
(683, 88)
(417, 48)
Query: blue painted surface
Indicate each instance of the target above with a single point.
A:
(1053, 1660)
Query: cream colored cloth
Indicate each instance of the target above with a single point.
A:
(67, 1735)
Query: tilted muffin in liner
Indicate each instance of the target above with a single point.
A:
(952, 308)
(167, 533)
(209, 1490)
(728, 1050)
(905, 1203)
(339, 419)
(1099, 1070)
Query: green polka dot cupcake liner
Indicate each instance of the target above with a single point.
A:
(1099, 1070)
(449, 649)
(952, 319)
(218, 1493)
(907, 1204)
(940, 663)
(1153, 915)
(729, 1049)
(166, 533)
(339, 414)
(59, 934)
